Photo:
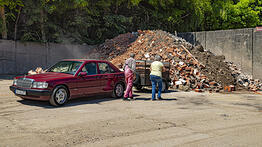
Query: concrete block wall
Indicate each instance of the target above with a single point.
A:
(257, 54)
(7, 58)
(241, 46)
(20, 57)
(29, 55)
(58, 52)
(236, 45)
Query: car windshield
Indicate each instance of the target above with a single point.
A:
(68, 67)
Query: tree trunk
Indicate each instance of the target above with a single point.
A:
(16, 22)
(116, 9)
(42, 25)
(4, 28)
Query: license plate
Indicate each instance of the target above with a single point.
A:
(20, 92)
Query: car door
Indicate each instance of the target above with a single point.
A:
(89, 84)
(106, 76)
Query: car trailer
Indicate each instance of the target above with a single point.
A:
(142, 75)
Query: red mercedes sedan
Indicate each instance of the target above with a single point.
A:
(70, 79)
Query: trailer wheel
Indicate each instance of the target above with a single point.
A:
(164, 86)
(137, 81)
(138, 87)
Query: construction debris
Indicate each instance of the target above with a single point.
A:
(192, 68)
(243, 80)
(38, 70)
(116, 46)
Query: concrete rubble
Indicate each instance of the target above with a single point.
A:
(245, 80)
(112, 48)
(192, 68)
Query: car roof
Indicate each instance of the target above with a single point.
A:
(83, 60)
(92, 60)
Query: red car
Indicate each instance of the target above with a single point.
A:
(70, 79)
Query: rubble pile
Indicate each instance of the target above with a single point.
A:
(243, 80)
(192, 68)
(116, 46)
(216, 69)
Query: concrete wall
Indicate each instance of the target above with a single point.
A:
(257, 54)
(20, 57)
(7, 57)
(241, 46)
(236, 45)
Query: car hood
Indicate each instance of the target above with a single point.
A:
(44, 77)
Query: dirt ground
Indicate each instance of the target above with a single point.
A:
(181, 119)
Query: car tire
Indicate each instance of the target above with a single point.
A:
(59, 96)
(118, 91)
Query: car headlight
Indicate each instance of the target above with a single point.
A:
(40, 85)
(15, 82)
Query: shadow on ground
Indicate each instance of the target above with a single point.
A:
(83, 101)
(90, 100)
(70, 103)
(149, 99)
(146, 90)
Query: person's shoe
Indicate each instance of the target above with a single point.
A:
(132, 98)
(153, 99)
(159, 98)
(125, 99)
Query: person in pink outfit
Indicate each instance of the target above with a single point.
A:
(129, 67)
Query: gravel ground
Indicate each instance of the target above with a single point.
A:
(181, 119)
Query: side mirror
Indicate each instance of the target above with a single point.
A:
(82, 74)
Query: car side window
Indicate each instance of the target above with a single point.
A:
(75, 66)
(105, 68)
(90, 68)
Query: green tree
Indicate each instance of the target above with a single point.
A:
(11, 6)
(240, 15)
(93, 21)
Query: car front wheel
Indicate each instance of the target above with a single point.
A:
(118, 90)
(59, 96)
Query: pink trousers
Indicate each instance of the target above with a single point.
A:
(129, 76)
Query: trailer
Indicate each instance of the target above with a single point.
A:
(142, 75)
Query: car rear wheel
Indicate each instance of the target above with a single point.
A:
(118, 91)
(59, 96)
